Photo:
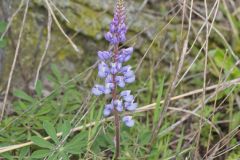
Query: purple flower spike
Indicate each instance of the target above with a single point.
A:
(112, 70)
(129, 122)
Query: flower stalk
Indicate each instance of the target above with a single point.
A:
(116, 75)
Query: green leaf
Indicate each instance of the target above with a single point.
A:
(66, 127)
(3, 43)
(56, 72)
(158, 106)
(7, 156)
(49, 128)
(44, 110)
(23, 152)
(40, 153)
(41, 142)
(3, 26)
(39, 88)
(22, 95)
(225, 62)
(77, 144)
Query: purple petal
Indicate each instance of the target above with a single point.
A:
(126, 69)
(122, 37)
(128, 50)
(109, 79)
(106, 112)
(108, 109)
(128, 98)
(129, 122)
(114, 40)
(129, 79)
(103, 70)
(130, 106)
(104, 55)
(125, 93)
(118, 105)
(115, 67)
(120, 81)
(108, 36)
(98, 90)
(128, 73)
(112, 27)
(127, 57)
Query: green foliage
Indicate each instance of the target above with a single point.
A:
(59, 148)
(3, 42)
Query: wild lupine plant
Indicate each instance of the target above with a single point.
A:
(111, 68)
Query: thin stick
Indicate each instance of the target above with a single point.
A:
(170, 90)
(58, 10)
(46, 47)
(154, 39)
(14, 60)
(142, 109)
(61, 29)
(204, 83)
(115, 112)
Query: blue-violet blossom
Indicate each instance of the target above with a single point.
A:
(111, 68)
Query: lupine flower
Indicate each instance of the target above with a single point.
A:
(98, 90)
(130, 106)
(112, 70)
(108, 109)
(128, 121)
(103, 70)
(104, 55)
(118, 104)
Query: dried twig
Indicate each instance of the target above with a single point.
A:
(46, 47)
(60, 27)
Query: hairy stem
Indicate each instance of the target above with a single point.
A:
(116, 116)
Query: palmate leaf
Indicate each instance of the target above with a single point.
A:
(56, 72)
(49, 128)
(41, 142)
(77, 144)
(23, 152)
(66, 127)
(40, 153)
(22, 95)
